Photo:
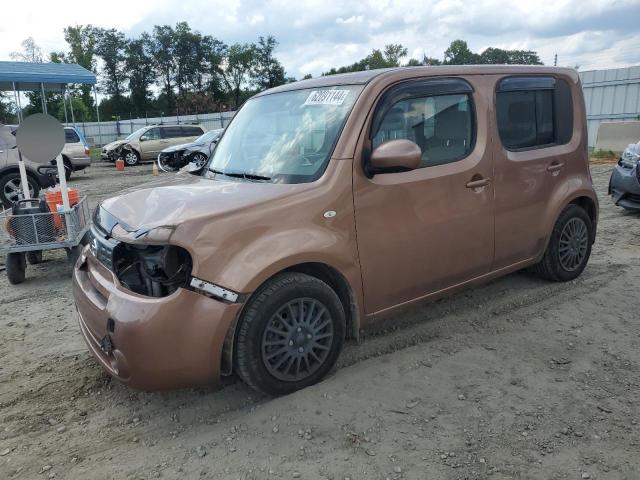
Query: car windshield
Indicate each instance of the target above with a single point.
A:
(284, 137)
(208, 137)
(136, 134)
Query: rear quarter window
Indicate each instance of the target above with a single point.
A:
(192, 131)
(70, 136)
(534, 112)
(172, 132)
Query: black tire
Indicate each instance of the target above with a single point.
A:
(552, 266)
(131, 158)
(255, 325)
(11, 181)
(34, 257)
(16, 267)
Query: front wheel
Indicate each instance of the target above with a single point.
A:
(569, 247)
(290, 334)
(131, 158)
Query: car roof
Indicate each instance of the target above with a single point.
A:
(364, 77)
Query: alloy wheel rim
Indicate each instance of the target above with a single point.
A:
(199, 159)
(297, 339)
(574, 241)
(131, 158)
(13, 189)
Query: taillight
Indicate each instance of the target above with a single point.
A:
(87, 151)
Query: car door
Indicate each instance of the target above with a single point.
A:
(424, 230)
(151, 143)
(534, 119)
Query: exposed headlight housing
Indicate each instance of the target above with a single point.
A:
(152, 270)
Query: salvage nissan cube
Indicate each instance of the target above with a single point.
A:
(330, 204)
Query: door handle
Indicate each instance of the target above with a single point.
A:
(479, 183)
(555, 166)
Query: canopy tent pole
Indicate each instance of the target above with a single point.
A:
(64, 105)
(73, 118)
(95, 96)
(44, 99)
(21, 168)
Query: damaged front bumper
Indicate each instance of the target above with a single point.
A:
(624, 187)
(146, 342)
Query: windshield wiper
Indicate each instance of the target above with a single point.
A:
(245, 175)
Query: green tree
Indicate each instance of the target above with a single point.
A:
(139, 65)
(110, 47)
(393, 53)
(459, 53)
(163, 53)
(239, 62)
(267, 71)
(186, 50)
(82, 44)
(7, 110)
(389, 57)
(30, 52)
(214, 54)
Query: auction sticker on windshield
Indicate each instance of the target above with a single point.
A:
(326, 97)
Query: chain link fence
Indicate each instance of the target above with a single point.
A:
(98, 134)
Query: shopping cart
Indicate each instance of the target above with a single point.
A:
(29, 228)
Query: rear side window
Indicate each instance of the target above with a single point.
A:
(534, 112)
(191, 131)
(70, 136)
(172, 132)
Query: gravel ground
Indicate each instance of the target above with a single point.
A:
(519, 378)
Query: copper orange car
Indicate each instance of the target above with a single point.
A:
(328, 204)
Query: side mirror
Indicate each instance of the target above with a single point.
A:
(143, 138)
(395, 156)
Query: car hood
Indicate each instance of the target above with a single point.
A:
(182, 146)
(186, 198)
(112, 145)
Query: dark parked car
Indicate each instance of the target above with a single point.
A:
(624, 186)
(197, 153)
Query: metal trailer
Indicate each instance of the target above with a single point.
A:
(27, 235)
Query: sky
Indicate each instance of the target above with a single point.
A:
(316, 35)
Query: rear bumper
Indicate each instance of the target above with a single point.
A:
(80, 163)
(156, 343)
(624, 187)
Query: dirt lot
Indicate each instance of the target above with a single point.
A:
(519, 378)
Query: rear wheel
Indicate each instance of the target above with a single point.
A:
(11, 188)
(290, 335)
(16, 267)
(569, 247)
